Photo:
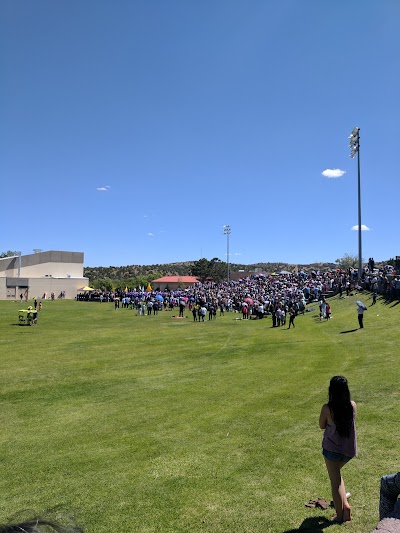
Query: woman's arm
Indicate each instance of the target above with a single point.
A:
(354, 408)
(323, 417)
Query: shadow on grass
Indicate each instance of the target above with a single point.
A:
(316, 524)
(22, 326)
(349, 331)
(389, 300)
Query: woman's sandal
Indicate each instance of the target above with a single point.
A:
(319, 502)
(311, 504)
(322, 503)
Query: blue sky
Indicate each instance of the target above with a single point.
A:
(134, 130)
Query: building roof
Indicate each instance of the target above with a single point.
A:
(176, 279)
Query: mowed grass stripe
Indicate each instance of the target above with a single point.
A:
(159, 424)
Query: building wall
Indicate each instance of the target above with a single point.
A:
(56, 264)
(40, 273)
(37, 287)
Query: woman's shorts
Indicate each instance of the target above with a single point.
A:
(335, 457)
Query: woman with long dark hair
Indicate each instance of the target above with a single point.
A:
(339, 443)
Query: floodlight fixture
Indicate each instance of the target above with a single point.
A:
(354, 144)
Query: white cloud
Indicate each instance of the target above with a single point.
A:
(237, 253)
(363, 227)
(150, 234)
(333, 173)
(105, 188)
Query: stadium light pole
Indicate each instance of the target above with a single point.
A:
(227, 232)
(19, 264)
(354, 146)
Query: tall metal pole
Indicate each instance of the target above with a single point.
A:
(355, 148)
(227, 232)
(227, 253)
(359, 216)
(19, 264)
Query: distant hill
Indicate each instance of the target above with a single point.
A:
(184, 269)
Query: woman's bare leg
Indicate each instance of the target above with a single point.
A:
(342, 507)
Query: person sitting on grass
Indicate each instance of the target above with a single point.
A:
(339, 443)
(390, 491)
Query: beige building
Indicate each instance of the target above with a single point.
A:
(42, 273)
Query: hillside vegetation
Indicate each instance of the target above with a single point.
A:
(122, 273)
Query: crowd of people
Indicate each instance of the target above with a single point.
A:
(282, 296)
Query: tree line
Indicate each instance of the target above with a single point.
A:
(133, 276)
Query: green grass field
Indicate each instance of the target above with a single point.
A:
(153, 424)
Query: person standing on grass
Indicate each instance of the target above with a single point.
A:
(339, 443)
(328, 312)
(292, 316)
(202, 313)
(322, 309)
(340, 290)
(360, 312)
(374, 297)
